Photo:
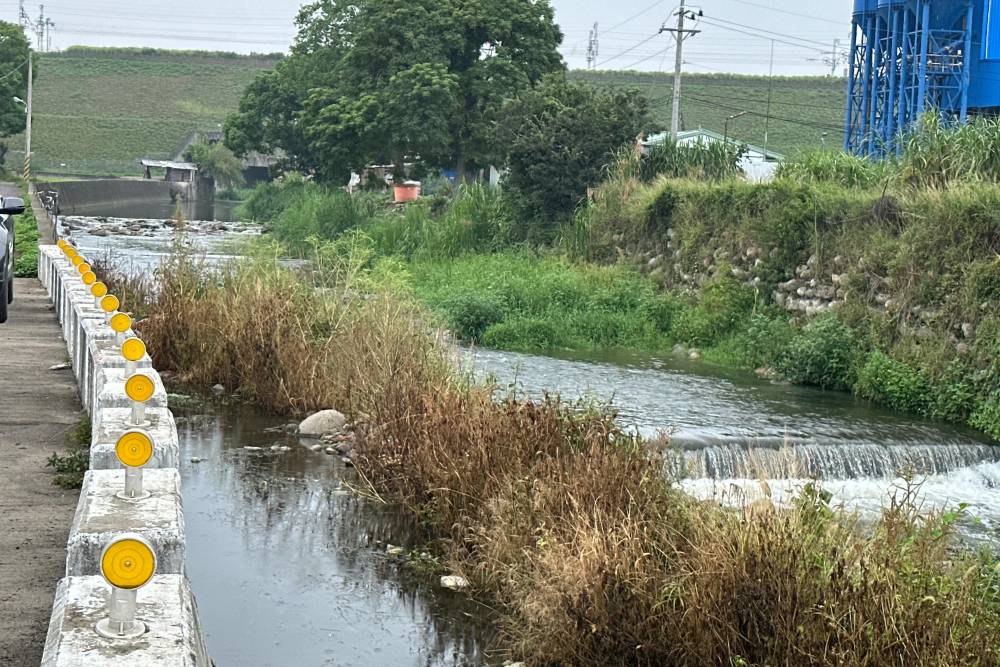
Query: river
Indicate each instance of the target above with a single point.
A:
(287, 561)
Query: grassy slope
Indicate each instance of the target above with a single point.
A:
(99, 111)
(815, 104)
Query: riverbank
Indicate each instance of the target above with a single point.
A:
(554, 513)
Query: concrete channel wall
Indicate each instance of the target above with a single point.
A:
(166, 605)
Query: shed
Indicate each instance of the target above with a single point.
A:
(175, 172)
(759, 164)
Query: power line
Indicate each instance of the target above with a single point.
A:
(629, 50)
(801, 44)
(787, 12)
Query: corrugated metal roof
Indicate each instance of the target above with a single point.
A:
(169, 164)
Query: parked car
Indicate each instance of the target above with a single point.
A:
(9, 207)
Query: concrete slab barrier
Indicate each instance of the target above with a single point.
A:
(115, 421)
(103, 351)
(102, 516)
(166, 605)
(109, 391)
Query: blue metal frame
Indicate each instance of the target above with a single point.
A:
(909, 57)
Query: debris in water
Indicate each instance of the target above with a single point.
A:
(254, 449)
(394, 550)
(454, 582)
(59, 367)
(195, 459)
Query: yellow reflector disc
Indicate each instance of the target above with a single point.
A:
(61, 244)
(77, 260)
(89, 278)
(139, 388)
(110, 303)
(70, 251)
(121, 322)
(133, 349)
(128, 563)
(83, 268)
(134, 448)
(99, 289)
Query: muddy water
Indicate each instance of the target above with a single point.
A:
(290, 567)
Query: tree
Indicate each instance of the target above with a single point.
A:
(559, 137)
(216, 161)
(389, 80)
(14, 50)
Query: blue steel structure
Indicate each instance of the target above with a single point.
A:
(912, 56)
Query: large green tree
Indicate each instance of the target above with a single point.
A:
(383, 80)
(559, 136)
(14, 49)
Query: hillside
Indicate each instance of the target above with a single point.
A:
(802, 108)
(98, 111)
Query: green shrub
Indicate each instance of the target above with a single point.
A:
(470, 313)
(987, 416)
(722, 305)
(525, 334)
(891, 382)
(823, 354)
(763, 341)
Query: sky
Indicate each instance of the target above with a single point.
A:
(736, 35)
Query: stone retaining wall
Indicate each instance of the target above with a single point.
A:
(166, 605)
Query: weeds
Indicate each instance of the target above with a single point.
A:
(592, 556)
(71, 468)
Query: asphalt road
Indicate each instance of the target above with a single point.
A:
(38, 407)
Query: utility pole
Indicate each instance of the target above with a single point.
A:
(40, 27)
(27, 130)
(770, 90)
(680, 35)
(593, 48)
(49, 25)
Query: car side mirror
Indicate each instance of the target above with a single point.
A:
(12, 206)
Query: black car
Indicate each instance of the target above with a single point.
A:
(9, 207)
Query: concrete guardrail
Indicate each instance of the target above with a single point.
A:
(164, 629)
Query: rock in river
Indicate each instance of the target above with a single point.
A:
(327, 422)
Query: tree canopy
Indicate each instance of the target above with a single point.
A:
(14, 50)
(217, 162)
(559, 136)
(380, 81)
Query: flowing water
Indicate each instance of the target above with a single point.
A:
(288, 564)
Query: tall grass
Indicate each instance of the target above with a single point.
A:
(567, 523)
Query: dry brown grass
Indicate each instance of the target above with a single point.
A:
(565, 521)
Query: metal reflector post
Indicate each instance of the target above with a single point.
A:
(140, 389)
(133, 350)
(127, 563)
(134, 449)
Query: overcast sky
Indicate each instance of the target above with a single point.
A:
(736, 35)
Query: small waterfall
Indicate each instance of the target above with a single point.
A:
(777, 459)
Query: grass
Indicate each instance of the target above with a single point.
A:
(803, 109)
(98, 111)
(25, 239)
(560, 520)
(71, 468)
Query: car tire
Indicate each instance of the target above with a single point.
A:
(10, 291)
(3, 310)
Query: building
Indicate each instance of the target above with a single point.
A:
(909, 57)
(758, 165)
(183, 177)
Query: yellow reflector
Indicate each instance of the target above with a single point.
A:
(133, 349)
(139, 388)
(77, 260)
(134, 448)
(61, 244)
(110, 303)
(128, 563)
(83, 267)
(70, 251)
(121, 322)
(89, 278)
(98, 289)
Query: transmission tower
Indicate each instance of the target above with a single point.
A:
(593, 48)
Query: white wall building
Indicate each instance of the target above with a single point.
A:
(758, 164)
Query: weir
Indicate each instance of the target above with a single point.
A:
(120, 396)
